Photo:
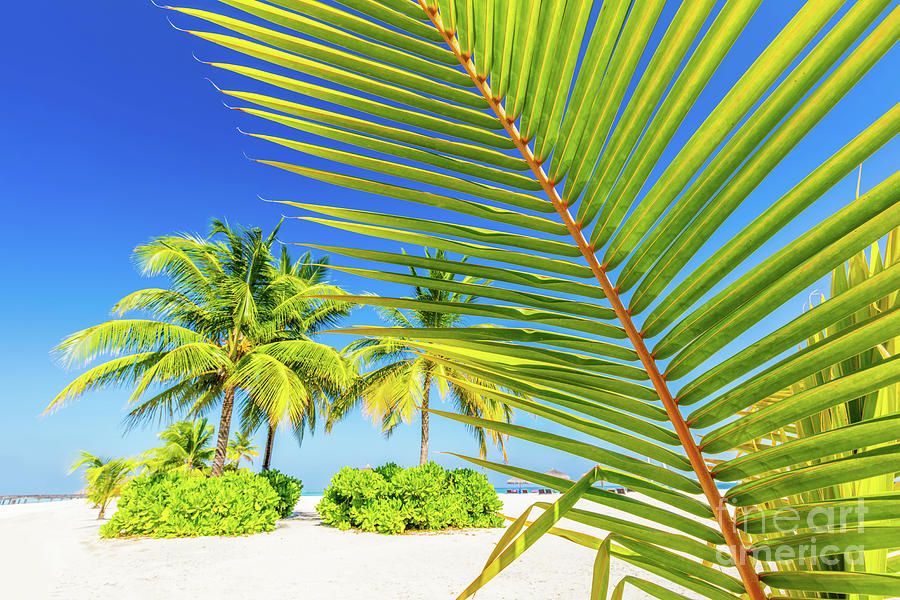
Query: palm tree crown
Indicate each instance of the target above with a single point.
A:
(187, 446)
(300, 312)
(241, 447)
(400, 385)
(104, 477)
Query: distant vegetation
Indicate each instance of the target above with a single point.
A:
(390, 499)
(232, 331)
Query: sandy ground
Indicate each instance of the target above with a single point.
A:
(52, 550)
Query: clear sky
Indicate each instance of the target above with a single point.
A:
(112, 135)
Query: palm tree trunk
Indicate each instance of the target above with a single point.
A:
(423, 448)
(270, 442)
(224, 431)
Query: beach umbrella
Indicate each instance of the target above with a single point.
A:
(517, 482)
(560, 474)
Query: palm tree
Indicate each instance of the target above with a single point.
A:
(92, 463)
(394, 392)
(104, 477)
(241, 446)
(109, 481)
(206, 345)
(188, 446)
(91, 460)
(299, 312)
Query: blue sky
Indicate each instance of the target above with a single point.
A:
(112, 135)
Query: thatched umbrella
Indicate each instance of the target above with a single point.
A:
(517, 482)
(560, 474)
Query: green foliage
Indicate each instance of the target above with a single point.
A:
(300, 311)
(108, 481)
(398, 387)
(680, 231)
(288, 489)
(479, 497)
(93, 465)
(187, 447)
(390, 499)
(104, 477)
(870, 419)
(388, 470)
(240, 446)
(230, 329)
(175, 504)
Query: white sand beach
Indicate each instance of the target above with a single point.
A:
(52, 550)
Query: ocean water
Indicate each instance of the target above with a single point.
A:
(532, 489)
(7, 501)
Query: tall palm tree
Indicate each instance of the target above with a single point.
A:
(300, 311)
(206, 346)
(395, 392)
(240, 447)
(188, 446)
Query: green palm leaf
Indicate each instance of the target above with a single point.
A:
(564, 85)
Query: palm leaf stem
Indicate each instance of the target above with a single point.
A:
(738, 551)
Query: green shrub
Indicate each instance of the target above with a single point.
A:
(390, 499)
(388, 470)
(176, 504)
(288, 489)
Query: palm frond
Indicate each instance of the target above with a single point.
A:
(122, 336)
(626, 245)
(183, 363)
(126, 370)
(185, 398)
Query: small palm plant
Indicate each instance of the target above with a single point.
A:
(240, 447)
(109, 481)
(188, 446)
(405, 370)
(105, 477)
(92, 464)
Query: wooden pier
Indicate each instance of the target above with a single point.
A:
(22, 498)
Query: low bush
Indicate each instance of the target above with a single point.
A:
(288, 489)
(178, 504)
(391, 499)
